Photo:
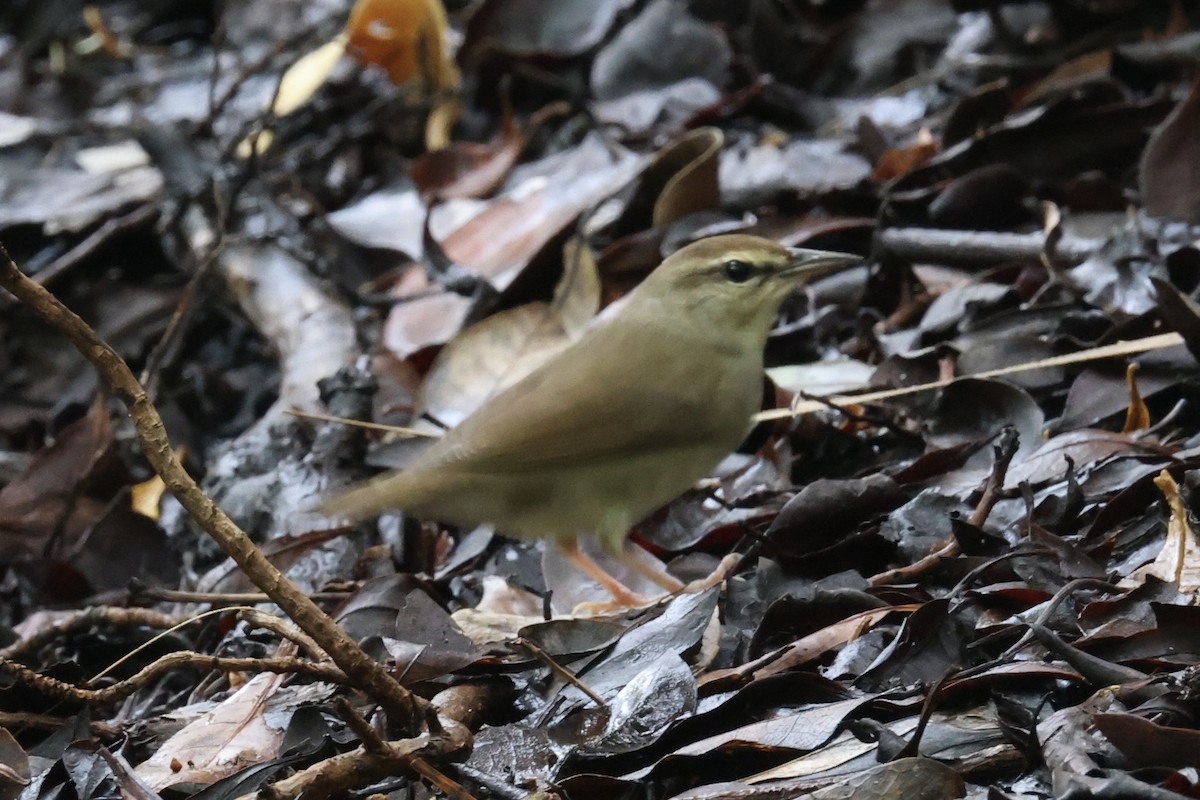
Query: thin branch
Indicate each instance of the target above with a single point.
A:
(138, 217)
(53, 687)
(140, 593)
(256, 618)
(407, 710)
(560, 670)
(19, 721)
(86, 619)
(1004, 451)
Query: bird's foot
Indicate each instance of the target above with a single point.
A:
(627, 601)
(716, 577)
(624, 598)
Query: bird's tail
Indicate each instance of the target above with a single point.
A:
(370, 498)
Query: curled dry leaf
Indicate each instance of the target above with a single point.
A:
(1179, 560)
(1137, 415)
(470, 169)
(219, 742)
(682, 179)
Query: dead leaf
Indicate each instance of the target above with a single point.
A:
(1179, 560)
(221, 742)
(544, 197)
(470, 169)
(1150, 744)
(525, 28)
(899, 161)
(662, 45)
(1169, 172)
(14, 767)
(1137, 416)
(302, 80)
(497, 352)
(1180, 312)
(47, 498)
(407, 38)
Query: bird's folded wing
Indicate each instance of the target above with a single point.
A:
(544, 424)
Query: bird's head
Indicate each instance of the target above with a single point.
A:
(735, 283)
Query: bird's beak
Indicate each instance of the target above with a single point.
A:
(809, 265)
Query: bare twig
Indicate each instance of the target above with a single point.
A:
(18, 721)
(257, 618)
(375, 745)
(338, 775)
(560, 670)
(85, 619)
(406, 709)
(180, 660)
(142, 593)
(372, 742)
(1117, 350)
(175, 326)
(142, 215)
(1004, 450)
(358, 423)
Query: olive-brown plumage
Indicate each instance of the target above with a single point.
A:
(623, 420)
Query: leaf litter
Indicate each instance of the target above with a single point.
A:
(966, 560)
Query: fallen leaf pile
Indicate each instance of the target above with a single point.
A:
(967, 560)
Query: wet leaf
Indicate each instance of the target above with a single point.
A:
(664, 44)
(541, 27)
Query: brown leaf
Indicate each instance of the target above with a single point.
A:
(498, 242)
(1148, 744)
(505, 347)
(1180, 312)
(220, 742)
(46, 496)
(1170, 168)
(689, 167)
(470, 169)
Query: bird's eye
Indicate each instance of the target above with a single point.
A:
(737, 271)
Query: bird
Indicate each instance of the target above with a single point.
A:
(618, 423)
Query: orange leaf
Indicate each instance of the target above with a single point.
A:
(405, 37)
(1137, 416)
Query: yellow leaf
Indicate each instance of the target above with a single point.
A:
(445, 115)
(146, 497)
(303, 78)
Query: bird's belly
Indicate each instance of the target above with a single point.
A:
(604, 498)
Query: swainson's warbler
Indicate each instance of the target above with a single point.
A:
(620, 422)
